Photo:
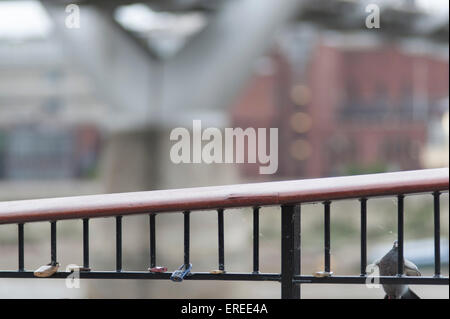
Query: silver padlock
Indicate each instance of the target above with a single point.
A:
(46, 271)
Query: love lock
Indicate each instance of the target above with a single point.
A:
(179, 274)
(217, 272)
(158, 269)
(46, 271)
(323, 274)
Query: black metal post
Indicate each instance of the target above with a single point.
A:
(221, 239)
(327, 242)
(255, 239)
(290, 251)
(363, 236)
(437, 234)
(152, 218)
(86, 243)
(400, 226)
(118, 243)
(21, 248)
(186, 238)
(53, 243)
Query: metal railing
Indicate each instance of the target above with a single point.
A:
(289, 195)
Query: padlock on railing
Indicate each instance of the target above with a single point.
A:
(179, 274)
(217, 272)
(323, 274)
(158, 269)
(46, 270)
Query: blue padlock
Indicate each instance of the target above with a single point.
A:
(179, 274)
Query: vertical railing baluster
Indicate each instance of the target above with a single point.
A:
(221, 239)
(327, 241)
(119, 243)
(437, 234)
(86, 243)
(290, 251)
(152, 220)
(297, 248)
(186, 238)
(400, 226)
(53, 243)
(21, 247)
(255, 239)
(363, 236)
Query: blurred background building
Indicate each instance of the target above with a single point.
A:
(357, 104)
(90, 110)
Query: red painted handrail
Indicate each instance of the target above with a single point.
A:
(229, 196)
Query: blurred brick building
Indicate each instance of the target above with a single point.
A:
(351, 109)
